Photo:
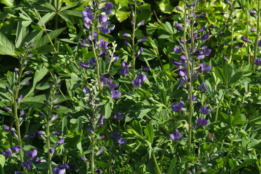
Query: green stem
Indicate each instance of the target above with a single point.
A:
(247, 32)
(16, 112)
(133, 40)
(232, 34)
(156, 164)
(92, 154)
(95, 55)
(218, 104)
(258, 31)
(190, 90)
(163, 152)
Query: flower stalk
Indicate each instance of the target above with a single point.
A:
(133, 39)
(258, 31)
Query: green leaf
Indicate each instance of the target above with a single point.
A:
(45, 40)
(168, 28)
(6, 47)
(9, 3)
(220, 74)
(64, 126)
(137, 126)
(108, 110)
(47, 17)
(149, 133)
(2, 160)
(165, 6)
(66, 17)
(123, 13)
(247, 162)
(21, 32)
(228, 72)
(236, 77)
(79, 126)
(172, 166)
(209, 89)
(40, 72)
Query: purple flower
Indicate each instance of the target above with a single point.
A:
(112, 85)
(105, 29)
(205, 68)
(115, 94)
(139, 52)
(141, 77)
(101, 118)
(122, 142)
(252, 30)
(114, 134)
(38, 160)
(194, 98)
(52, 150)
(202, 87)
(16, 172)
(31, 136)
(205, 51)
(198, 104)
(102, 18)
(40, 133)
(7, 153)
(178, 50)
(85, 90)
(5, 108)
(259, 43)
(61, 141)
(16, 148)
(83, 159)
(252, 12)
(178, 107)
(58, 133)
(54, 117)
(7, 128)
(126, 34)
(92, 61)
(245, 39)
(31, 154)
(107, 8)
(202, 122)
(178, 9)
(100, 151)
(213, 26)
(257, 61)
(103, 80)
(203, 15)
(84, 65)
(205, 37)
(125, 65)
(141, 23)
(204, 110)
(200, 57)
(23, 115)
(124, 71)
(225, 58)
(202, 29)
(145, 69)
(95, 35)
(118, 116)
(145, 39)
(175, 136)
(137, 83)
(72, 167)
(27, 165)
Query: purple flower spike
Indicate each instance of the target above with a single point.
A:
(85, 90)
(245, 39)
(107, 8)
(205, 68)
(7, 153)
(257, 62)
(61, 141)
(203, 15)
(27, 165)
(204, 110)
(115, 94)
(202, 122)
(202, 87)
(124, 71)
(16, 148)
(84, 65)
(145, 69)
(31, 154)
(112, 85)
(102, 18)
(252, 12)
(175, 136)
(205, 37)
